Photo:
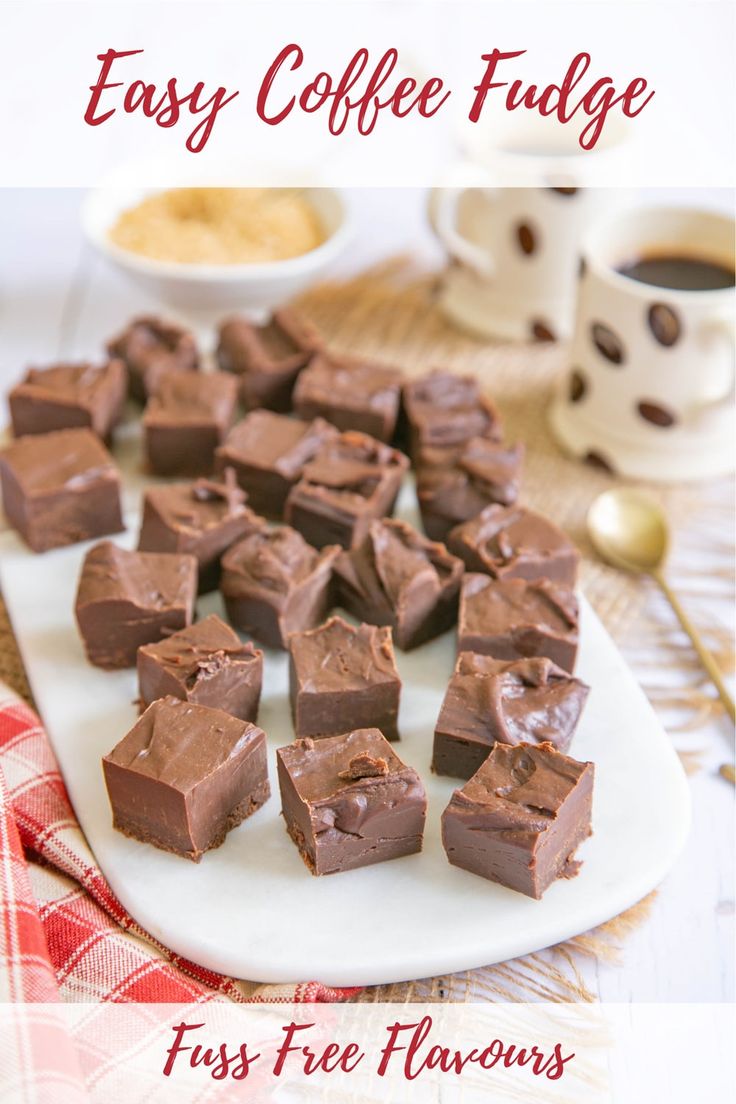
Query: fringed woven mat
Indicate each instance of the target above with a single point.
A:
(390, 314)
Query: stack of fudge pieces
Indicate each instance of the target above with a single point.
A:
(288, 512)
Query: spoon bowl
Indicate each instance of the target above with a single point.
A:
(629, 530)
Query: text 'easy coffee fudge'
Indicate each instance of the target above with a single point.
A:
(398, 577)
(267, 358)
(352, 480)
(206, 664)
(349, 393)
(511, 542)
(67, 396)
(443, 409)
(126, 599)
(60, 488)
(460, 482)
(185, 775)
(274, 583)
(201, 519)
(342, 677)
(489, 701)
(521, 817)
(349, 801)
(150, 348)
(186, 420)
(268, 452)
(516, 619)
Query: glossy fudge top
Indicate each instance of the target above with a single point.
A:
(360, 760)
(521, 789)
(501, 539)
(352, 463)
(494, 606)
(275, 559)
(347, 381)
(444, 408)
(514, 699)
(192, 398)
(202, 504)
(340, 657)
(200, 650)
(149, 342)
(180, 744)
(491, 469)
(276, 442)
(65, 460)
(396, 563)
(150, 580)
(80, 383)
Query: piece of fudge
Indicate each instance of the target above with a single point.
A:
(186, 420)
(511, 542)
(151, 348)
(488, 701)
(267, 358)
(207, 664)
(342, 676)
(349, 801)
(398, 577)
(443, 409)
(126, 599)
(60, 488)
(274, 583)
(467, 479)
(185, 775)
(521, 817)
(268, 452)
(350, 393)
(517, 619)
(66, 396)
(352, 480)
(202, 519)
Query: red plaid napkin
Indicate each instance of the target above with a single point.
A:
(63, 933)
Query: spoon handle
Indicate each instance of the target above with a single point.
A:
(706, 657)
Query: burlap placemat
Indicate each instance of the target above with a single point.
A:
(390, 314)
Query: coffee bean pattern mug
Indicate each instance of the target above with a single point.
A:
(649, 392)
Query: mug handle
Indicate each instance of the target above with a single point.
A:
(717, 328)
(442, 212)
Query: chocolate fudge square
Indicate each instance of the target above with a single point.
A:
(349, 801)
(488, 701)
(150, 348)
(268, 452)
(274, 583)
(342, 676)
(516, 619)
(350, 393)
(201, 519)
(511, 542)
(206, 664)
(398, 577)
(67, 396)
(442, 409)
(466, 480)
(267, 358)
(521, 817)
(126, 599)
(352, 480)
(186, 420)
(60, 488)
(185, 775)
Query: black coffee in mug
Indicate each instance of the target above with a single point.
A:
(679, 273)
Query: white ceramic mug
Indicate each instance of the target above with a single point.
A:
(650, 388)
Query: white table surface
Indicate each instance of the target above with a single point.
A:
(59, 301)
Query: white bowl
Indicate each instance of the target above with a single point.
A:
(205, 292)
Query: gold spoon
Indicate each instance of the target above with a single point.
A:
(630, 531)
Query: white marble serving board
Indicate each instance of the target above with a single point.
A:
(251, 909)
